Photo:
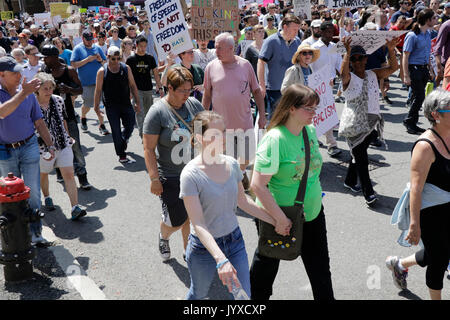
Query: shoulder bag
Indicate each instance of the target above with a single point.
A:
(274, 245)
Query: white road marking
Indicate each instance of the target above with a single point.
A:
(76, 276)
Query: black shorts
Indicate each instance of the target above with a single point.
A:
(173, 211)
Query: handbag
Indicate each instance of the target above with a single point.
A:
(273, 245)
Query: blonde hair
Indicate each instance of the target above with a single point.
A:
(205, 118)
(177, 76)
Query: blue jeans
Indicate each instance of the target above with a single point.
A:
(24, 163)
(272, 98)
(202, 266)
(120, 136)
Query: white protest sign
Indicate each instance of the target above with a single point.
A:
(370, 40)
(56, 20)
(326, 116)
(40, 17)
(351, 4)
(170, 30)
(245, 44)
(302, 9)
(70, 29)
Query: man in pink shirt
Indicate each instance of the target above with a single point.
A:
(229, 82)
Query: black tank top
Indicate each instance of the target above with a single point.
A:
(439, 173)
(65, 78)
(116, 89)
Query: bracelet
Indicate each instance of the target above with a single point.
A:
(154, 179)
(220, 264)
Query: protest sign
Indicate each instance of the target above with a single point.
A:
(170, 30)
(70, 29)
(60, 9)
(40, 17)
(7, 15)
(104, 10)
(351, 4)
(370, 40)
(326, 116)
(55, 20)
(212, 17)
(302, 9)
(83, 10)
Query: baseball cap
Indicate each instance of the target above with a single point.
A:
(447, 5)
(49, 50)
(9, 64)
(316, 23)
(358, 50)
(88, 35)
(269, 18)
(113, 50)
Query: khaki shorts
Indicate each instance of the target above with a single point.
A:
(63, 158)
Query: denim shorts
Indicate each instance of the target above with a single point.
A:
(202, 266)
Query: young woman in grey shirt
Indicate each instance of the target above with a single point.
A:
(211, 188)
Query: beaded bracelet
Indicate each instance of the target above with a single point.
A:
(220, 264)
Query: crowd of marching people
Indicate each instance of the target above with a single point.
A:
(185, 106)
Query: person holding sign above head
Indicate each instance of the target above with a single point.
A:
(361, 120)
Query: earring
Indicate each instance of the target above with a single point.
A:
(438, 121)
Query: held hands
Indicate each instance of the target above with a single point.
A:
(283, 226)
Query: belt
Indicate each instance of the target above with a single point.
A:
(18, 143)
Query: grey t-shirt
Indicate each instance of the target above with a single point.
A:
(218, 200)
(173, 150)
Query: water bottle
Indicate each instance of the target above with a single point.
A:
(46, 155)
(238, 292)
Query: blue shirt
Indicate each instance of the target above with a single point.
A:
(66, 56)
(306, 73)
(397, 14)
(88, 72)
(419, 47)
(150, 45)
(278, 55)
(19, 125)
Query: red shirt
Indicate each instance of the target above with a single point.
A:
(402, 38)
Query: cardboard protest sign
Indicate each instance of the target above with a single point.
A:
(170, 30)
(351, 4)
(70, 29)
(302, 8)
(40, 17)
(213, 17)
(370, 40)
(60, 9)
(326, 116)
(7, 15)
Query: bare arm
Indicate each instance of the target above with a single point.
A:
(345, 67)
(259, 100)
(8, 107)
(150, 141)
(405, 62)
(133, 89)
(206, 100)
(74, 77)
(42, 129)
(260, 71)
(79, 64)
(98, 89)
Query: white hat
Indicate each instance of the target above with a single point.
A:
(316, 23)
(113, 50)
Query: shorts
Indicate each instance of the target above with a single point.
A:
(173, 211)
(63, 158)
(88, 96)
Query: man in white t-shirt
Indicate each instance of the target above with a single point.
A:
(203, 55)
(33, 65)
(328, 56)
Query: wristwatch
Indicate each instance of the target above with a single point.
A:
(52, 147)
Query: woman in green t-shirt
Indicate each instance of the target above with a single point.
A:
(278, 170)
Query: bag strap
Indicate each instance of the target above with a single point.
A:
(302, 187)
(177, 114)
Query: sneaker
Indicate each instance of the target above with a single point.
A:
(419, 129)
(77, 213)
(340, 99)
(48, 204)
(103, 130)
(411, 129)
(84, 184)
(376, 143)
(387, 100)
(59, 177)
(320, 143)
(245, 182)
(333, 151)
(164, 248)
(184, 256)
(37, 239)
(371, 200)
(125, 159)
(398, 275)
(354, 188)
(84, 126)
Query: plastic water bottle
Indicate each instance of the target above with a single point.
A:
(238, 292)
(46, 155)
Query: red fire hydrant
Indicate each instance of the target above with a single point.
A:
(15, 215)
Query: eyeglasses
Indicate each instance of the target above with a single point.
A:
(187, 91)
(309, 109)
(307, 53)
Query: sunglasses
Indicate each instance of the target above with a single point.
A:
(358, 59)
(307, 53)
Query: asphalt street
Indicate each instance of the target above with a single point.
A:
(112, 253)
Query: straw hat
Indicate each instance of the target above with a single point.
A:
(306, 47)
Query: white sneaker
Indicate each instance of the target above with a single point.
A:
(37, 238)
(164, 248)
